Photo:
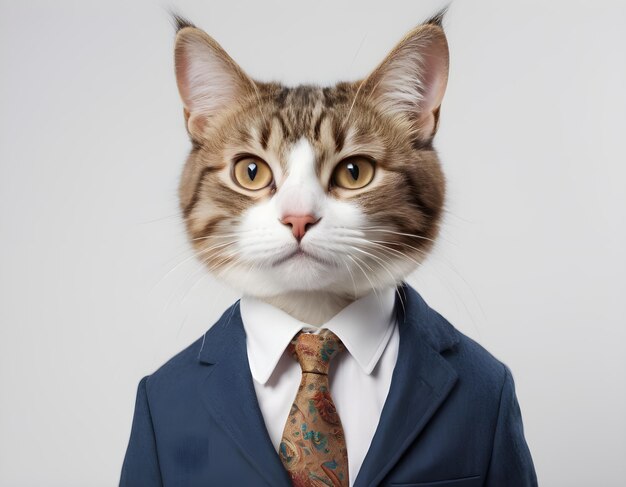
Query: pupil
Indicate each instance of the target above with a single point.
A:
(252, 168)
(354, 170)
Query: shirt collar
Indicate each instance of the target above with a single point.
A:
(364, 326)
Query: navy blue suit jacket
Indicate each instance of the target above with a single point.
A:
(451, 417)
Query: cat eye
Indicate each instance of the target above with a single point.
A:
(252, 173)
(353, 173)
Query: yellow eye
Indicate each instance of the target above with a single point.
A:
(353, 172)
(252, 173)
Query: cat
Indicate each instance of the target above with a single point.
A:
(309, 197)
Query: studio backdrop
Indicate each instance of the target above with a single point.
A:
(99, 286)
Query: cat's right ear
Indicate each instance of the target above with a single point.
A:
(412, 79)
(208, 79)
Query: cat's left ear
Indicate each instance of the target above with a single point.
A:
(412, 79)
(209, 80)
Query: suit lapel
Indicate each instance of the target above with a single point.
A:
(421, 381)
(228, 393)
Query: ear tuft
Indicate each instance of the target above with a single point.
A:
(179, 22)
(437, 19)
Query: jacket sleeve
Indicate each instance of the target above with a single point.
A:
(511, 463)
(141, 464)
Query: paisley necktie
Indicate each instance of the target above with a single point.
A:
(313, 446)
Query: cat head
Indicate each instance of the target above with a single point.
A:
(306, 188)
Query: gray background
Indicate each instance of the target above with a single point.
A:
(98, 286)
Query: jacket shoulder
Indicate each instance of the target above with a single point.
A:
(475, 365)
(176, 368)
(184, 366)
(473, 355)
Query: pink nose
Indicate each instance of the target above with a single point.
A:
(299, 224)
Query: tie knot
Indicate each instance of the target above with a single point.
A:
(314, 351)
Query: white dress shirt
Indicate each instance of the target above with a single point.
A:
(359, 377)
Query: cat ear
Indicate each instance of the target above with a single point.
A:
(208, 79)
(412, 79)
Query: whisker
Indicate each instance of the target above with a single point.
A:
(351, 277)
(379, 259)
(147, 222)
(192, 256)
(440, 276)
(240, 234)
(397, 252)
(386, 230)
(202, 268)
(395, 282)
(196, 252)
(366, 276)
(203, 274)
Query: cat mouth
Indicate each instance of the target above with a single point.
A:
(300, 253)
